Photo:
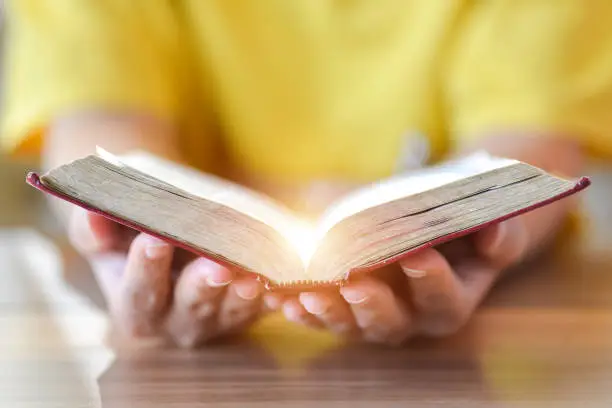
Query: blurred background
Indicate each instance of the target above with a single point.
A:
(24, 213)
(19, 205)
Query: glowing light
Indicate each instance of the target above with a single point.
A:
(303, 237)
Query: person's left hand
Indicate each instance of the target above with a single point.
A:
(431, 293)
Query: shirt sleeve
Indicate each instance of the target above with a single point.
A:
(533, 65)
(69, 55)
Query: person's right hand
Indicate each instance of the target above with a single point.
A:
(155, 291)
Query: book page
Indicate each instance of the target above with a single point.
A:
(258, 206)
(408, 184)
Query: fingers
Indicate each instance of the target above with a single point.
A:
(443, 297)
(197, 297)
(503, 244)
(331, 310)
(145, 287)
(273, 301)
(295, 312)
(90, 233)
(241, 305)
(436, 292)
(442, 300)
(380, 315)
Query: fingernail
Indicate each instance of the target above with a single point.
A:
(155, 248)
(313, 303)
(414, 273)
(216, 283)
(292, 312)
(353, 296)
(247, 291)
(211, 273)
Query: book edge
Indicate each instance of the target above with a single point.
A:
(581, 184)
(256, 198)
(33, 179)
(366, 189)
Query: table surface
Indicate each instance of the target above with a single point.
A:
(543, 338)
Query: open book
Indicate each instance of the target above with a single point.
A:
(243, 229)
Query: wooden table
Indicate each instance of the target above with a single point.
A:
(543, 338)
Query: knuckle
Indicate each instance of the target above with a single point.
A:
(201, 311)
(196, 300)
(143, 300)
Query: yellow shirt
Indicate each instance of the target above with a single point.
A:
(312, 88)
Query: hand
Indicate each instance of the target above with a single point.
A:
(155, 291)
(431, 293)
(435, 291)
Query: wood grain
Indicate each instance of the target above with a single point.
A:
(543, 339)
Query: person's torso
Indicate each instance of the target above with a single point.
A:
(303, 90)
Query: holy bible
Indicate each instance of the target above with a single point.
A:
(245, 230)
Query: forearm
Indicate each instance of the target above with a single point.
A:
(75, 136)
